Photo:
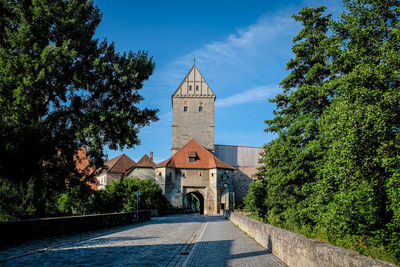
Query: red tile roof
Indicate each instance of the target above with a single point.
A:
(204, 158)
(119, 164)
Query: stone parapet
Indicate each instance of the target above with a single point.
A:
(297, 250)
(23, 230)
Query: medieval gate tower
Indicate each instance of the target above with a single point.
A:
(193, 112)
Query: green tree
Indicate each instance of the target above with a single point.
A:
(360, 174)
(290, 161)
(334, 169)
(256, 198)
(120, 195)
(77, 200)
(60, 89)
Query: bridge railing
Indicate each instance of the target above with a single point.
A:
(297, 250)
(23, 230)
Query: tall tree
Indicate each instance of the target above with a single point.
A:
(362, 127)
(60, 89)
(290, 160)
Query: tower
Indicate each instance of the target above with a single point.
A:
(193, 112)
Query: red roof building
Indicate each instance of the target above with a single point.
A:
(115, 168)
(194, 170)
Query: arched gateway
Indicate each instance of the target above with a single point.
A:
(194, 201)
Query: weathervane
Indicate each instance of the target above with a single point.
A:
(194, 61)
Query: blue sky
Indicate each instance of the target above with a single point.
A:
(241, 49)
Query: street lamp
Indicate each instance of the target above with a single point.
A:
(137, 206)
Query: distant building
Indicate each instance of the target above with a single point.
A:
(115, 168)
(144, 168)
(245, 160)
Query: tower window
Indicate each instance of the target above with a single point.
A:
(190, 88)
(200, 108)
(197, 88)
(185, 109)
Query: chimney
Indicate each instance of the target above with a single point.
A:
(151, 155)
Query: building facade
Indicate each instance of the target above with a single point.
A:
(194, 170)
(193, 112)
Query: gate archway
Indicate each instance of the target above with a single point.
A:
(194, 201)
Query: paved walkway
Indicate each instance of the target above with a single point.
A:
(178, 240)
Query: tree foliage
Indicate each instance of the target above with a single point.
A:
(119, 196)
(61, 89)
(333, 171)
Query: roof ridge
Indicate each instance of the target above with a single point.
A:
(117, 158)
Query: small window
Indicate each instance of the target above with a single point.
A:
(159, 174)
(212, 174)
(192, 159)
(184, 109)
(199, 173)
(197, 88)
(200, 108)
(190, 88)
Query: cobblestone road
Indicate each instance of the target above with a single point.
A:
(188, 240)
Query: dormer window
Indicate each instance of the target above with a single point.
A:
(192, 156)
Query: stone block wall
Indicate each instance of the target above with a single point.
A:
(297, 250)
(192, 124)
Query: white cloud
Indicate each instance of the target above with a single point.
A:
(258, 94)
(251, 56)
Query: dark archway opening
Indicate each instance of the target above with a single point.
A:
(194, 202)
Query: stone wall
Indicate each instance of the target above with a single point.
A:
(241, 183)
(16, 231)
(297, 250)
(245, 160)
(192, 124)
(142, 173)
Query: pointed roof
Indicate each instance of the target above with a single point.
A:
(194, 85)
(145, 162)
(204, 159)
(119, 164)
